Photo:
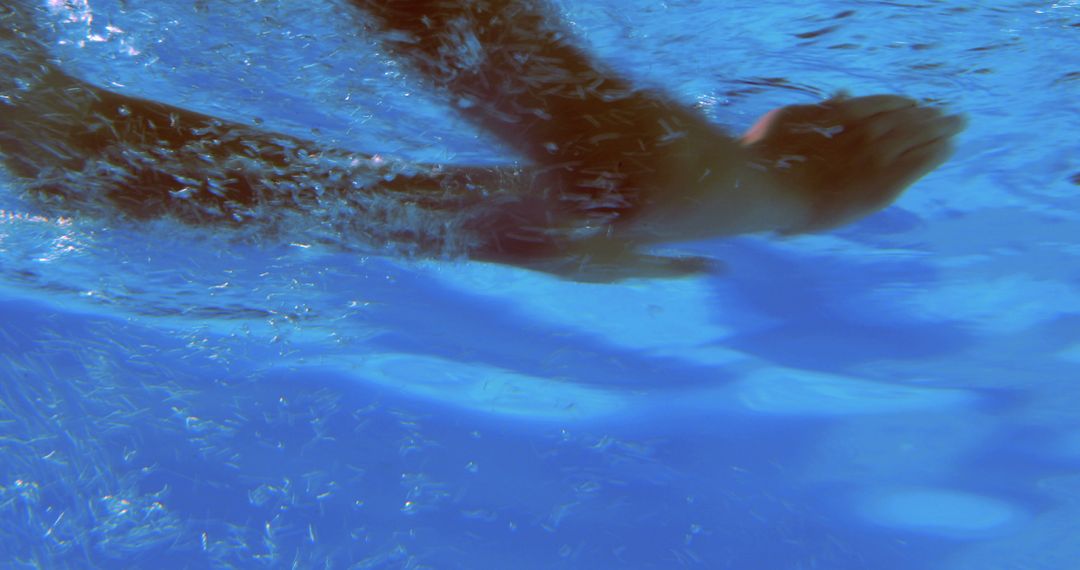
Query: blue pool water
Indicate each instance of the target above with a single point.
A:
(900, 394)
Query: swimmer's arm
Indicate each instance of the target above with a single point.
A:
(510, 69)
(76, 143)
(804, 168)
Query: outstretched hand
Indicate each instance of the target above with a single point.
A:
(848, 158)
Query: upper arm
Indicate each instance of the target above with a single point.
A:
(512, 68)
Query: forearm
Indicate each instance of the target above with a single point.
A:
(86, 149)
(720, 192)
(509, 67)
(144, 157)
(615, 164)
(647, 167)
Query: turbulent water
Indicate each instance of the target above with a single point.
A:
(898, 394)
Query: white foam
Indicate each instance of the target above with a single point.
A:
(1007, 304)
(939, 512)
(1069, 444)
(645, 314)
(798, 392)
(479, 387)
(1071, 353)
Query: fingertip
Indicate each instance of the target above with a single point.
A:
(869, 105)
(959, 120)
(840, 95)
(949, 126)
(928, 156)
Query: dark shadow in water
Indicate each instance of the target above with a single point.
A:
(475, 328)
(818, 327)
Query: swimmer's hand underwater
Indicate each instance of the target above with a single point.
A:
(799, 169)
(848, 158)
(627, 167)
(804, 168)
(608, 168)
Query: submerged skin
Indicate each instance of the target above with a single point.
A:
(608, 169)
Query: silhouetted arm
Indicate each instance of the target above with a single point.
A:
(510, 67)
(79, 144)
(642, 167)
(622, 154)
(83, 149)
(611, 167)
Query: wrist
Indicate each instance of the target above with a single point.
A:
(720, 188)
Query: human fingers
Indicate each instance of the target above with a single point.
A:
(919, 129)
(919, 155)
(929, 155)
(861, 108)
(913, 165)
(881, 126)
